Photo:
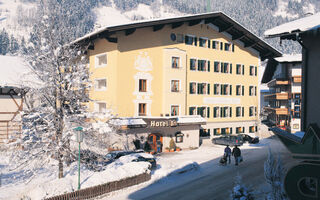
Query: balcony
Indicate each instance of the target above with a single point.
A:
(278, 111)
(297, 79)
(276, 82)
(277, 96)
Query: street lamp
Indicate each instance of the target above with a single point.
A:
(79, 137)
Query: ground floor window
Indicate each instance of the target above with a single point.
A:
(252, 129)
(216, 131)
(204, 132)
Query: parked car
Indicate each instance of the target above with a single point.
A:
(117, 154)
(152, 161)
(248, 138)
(230, 140)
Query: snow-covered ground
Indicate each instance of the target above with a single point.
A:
(20, 182)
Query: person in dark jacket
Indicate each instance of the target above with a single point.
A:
(227, 153)
(236, 153)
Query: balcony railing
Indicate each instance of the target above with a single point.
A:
(277, 96)
(297, 79)
(276, 82)
(278, 111)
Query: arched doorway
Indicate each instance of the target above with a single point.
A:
(156, 142)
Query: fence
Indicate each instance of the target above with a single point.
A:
(98, 190)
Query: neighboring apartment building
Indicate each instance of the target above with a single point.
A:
(283, 77)
(203, 65)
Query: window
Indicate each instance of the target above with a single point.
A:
(238, 111)
(251, 110)
(175, 62)
(216, 131)
(142, 109)
(239, 130)
(193, 88)
(101, 60)
(238, 90)
(202, 111)
(238, 70)
(251, 90)
(101, 107)
(174, 110)
(216, 66)
(215, 44)
(175, 85)
(297, 108)
(216, 90)
(227, 47)
(142, 85)
(225, 68)
(224, 111)
(251, 129)
(101, 84)
(202, 65)
(204, 132)
(203, 88)
(251, 70)
(193, 63)
(225, 89)
(192, 111)
(216, 112)
(203, 42)
(190, 40)
(179, 137)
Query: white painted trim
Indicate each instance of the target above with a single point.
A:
(96, 60)
(148, 106)
(98, 79)
(146, 76)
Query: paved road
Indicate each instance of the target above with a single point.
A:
(217, 185)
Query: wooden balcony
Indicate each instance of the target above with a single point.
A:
(278, 96)
(297, 79)
(276, 82)
(278, 111)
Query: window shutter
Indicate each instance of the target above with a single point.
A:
(208, 112)
(230, 68)
(242, 90)
(199, 85)
(199, 64)
(230, 89)
(209, 65)
(242, 111)
(209, 42)
(221, 45)
(232, 47)
(242, 69)
(208, 89)
(256, 71)
(195, 41)
(230, 112)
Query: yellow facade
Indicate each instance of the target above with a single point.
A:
(147, 54)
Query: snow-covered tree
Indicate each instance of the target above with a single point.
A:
(274, 173)
(240, 191)
(60, 97)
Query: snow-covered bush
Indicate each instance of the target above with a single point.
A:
(241, 192)
(274, 173)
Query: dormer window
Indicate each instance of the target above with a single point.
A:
(203, 42)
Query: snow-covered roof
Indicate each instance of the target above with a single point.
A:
(290, 58)
(296, 26)
(127, 121)
(224, 23)
(16, 73)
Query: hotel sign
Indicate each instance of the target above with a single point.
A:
(153, 123)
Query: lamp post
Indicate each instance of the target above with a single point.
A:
(79, 137)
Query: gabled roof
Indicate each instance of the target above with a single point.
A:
(218, 19)
(272, 65)
(294, 27)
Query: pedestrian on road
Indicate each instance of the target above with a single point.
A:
(227, 153)
(237, 154)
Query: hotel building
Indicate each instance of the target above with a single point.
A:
(283, 77)
(176, 68)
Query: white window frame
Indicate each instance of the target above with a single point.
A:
(179, 89)
(196, 87)
(97, 60)
(179, 65)
(96, 106)
(96, 84)
(204, 38)
(179, 107)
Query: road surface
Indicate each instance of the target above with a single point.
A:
(218, 184)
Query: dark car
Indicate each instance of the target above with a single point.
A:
(152, 161)
(248, 138)
(230, 140)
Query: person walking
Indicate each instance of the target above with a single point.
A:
(227, 153)
(237, 154)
